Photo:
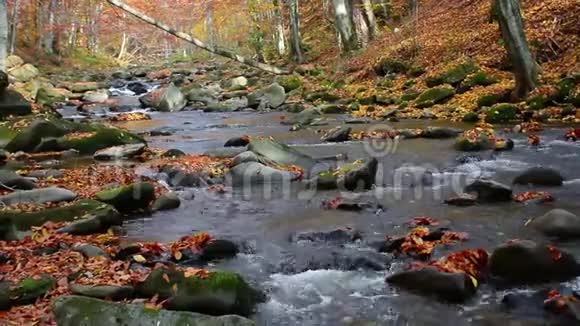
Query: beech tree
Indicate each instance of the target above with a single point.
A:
(295, 36)
(509, 17)
(344, 24)
(3, 34)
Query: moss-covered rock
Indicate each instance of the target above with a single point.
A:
(25, 292)
(322, 96)
(49, 96)
(83, 311)
(467, 145)
(433, 96)
(221, 293)
(290, 83)
(101, 139)
(453, 76)
(129, 198)
(470, 117)
(537, 102)
(410, 95)
(166, 201)
(389, 66)
(13, 103)
(112, 292)
(501, 113)
(479, 78)
(15, 224)
(565, 88)
(491, 99)
(416, 71)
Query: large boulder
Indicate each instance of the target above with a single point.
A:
(202, 95)
(119, 152)
(38, 196)
(237, 142)
(272, 96)
(172, 100)
(82, 87)
(166, 201)
(489, 191)
(30, 137)
(111, 292)
(84, 311)
(99, 221)
(14, 223)
(246, 157)
(524, 261)
(13, 103)
(441, 132)
(434, 96)
(304, 118)
(24, 73)
(360, 178)
(13, 61)
(540, 176)
(220, 293)
(257, 173)
(453, 287)
(558, 223)
(25, 292)
(129, 198)
(96, 96)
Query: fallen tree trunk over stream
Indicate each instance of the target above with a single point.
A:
(200, 44)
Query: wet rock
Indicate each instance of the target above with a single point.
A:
(504, 145)
(179, 178)
(558, 223)
(101, 139)
(84, 311)
(82, 87)
(127, 252)
(337, 135)
(357, 121)
(218, 250)
(13, 61)
(3, 81)
(452, 287)
(221, 293)
(171, 100)
(128, 198)
(166, 201)
(238, 82)
(25, 292)
(12, 103)
(303, 118)
(90, 251)
(245, 157)
(99, 221)
(434, 96)
(173, 153)
(325, 182)
(24, 73)
(440, 132)
(119, 152)
(43, 174)
(202, 95)
(322, 96)
(280, 153)
(272, 96)
(335, 237)
(38, 196)
(227, 152)
(334, 108)
(237, 142)
(316, 258)
(137, 88)
(96, 96)
(524, 261)
(15, 181)
(256, 173)
(361, 178)
(111, 292)
(468, 145)
(490, 191)
(462, 200)
(13, 224)
(540, 176)
(293, 107)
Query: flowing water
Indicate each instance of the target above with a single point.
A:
(264, 219)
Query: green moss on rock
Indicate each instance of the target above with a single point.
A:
(434, 96)
(388, 66)
(453, 76)
(290, 83)
(103, 138)
(538, 102)
(501, 113)
(470, 117)
(129, 198)
(25, 292)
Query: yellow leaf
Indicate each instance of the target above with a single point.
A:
(139, 259)
(474, 281)
(178, 255)
(174, 288)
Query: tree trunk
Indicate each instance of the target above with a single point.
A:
(280, 38)
(509, 17)
(362, 29)
(13, 24)
(119, 4)
(296, 37)
(3, 34)
(209, 24)
(344, 24)
(370, 17)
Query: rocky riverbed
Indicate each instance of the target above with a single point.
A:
(209, 191)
